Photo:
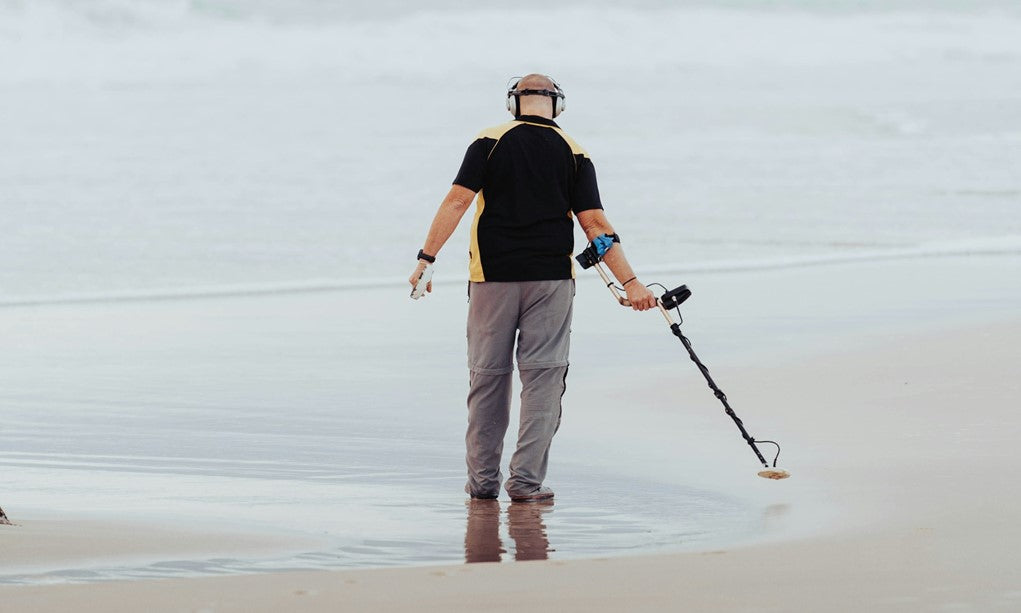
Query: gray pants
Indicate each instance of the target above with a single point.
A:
(537, 315)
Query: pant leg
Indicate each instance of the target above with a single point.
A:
(542, 351)
(492, 324)
(544, 326)
(541, 392)
(489, 400)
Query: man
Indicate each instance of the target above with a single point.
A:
(531, 178)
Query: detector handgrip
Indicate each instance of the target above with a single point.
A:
(680, 294)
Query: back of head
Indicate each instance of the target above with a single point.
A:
(535, 94)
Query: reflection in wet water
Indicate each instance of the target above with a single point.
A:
(524, 522)
(482, 537)
(524, 525)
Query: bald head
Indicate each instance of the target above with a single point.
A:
(536, 104)
(536, 81)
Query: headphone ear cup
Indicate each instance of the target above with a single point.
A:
(512, 100)
(560, 102)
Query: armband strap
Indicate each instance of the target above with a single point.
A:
(603, 242)
(422, 255)
(624, 284)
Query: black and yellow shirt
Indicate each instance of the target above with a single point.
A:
(531, 179)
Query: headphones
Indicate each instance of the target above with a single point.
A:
(514, 96)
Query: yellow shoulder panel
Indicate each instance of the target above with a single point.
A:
(497, 131)
(575, 147)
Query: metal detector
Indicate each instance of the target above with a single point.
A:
(672, 299)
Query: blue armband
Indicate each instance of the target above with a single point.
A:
(603, 242)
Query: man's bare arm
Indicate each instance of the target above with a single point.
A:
(594, 223)
(451, 210)
(449, 215)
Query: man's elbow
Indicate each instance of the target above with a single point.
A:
(593, 224)
(459, 200)
(593, 230)
(461, 204)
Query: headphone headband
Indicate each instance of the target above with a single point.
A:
(536, 92)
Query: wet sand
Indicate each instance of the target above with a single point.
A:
(70, 549)
(912, 439)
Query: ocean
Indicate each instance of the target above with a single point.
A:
(195, 194)
(169, 147)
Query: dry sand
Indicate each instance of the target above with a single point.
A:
(915, 441)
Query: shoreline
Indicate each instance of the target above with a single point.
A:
(991, 247)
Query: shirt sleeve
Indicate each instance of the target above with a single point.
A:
(473, 167)
(586, 191)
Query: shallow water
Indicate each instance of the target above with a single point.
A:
(292, 414)
(586, 520)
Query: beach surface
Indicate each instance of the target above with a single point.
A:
(901, 446)
(39, 544)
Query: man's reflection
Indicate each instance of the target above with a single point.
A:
(482, 538)
(524, 524)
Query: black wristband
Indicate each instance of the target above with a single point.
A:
(422, 255)
(624, 284)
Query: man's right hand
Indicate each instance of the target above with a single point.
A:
(640, 297)
(423, 273)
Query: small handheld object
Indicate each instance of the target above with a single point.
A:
(422, 282)
(673, 299)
